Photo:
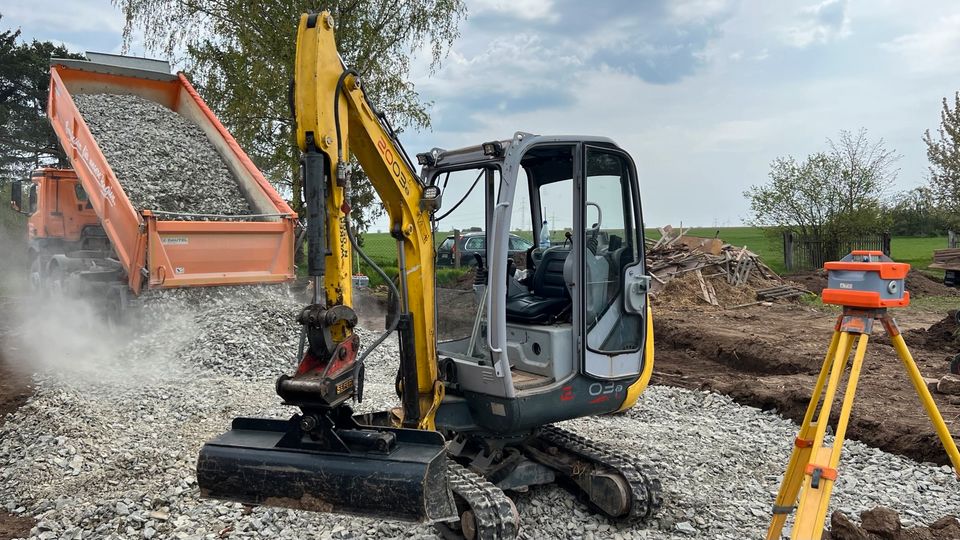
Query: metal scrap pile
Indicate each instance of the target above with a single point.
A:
(712, 267)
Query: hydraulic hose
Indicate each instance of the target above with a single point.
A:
(393, 289)
(392, 326)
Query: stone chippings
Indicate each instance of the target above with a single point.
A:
(114, 456)
(162, 160)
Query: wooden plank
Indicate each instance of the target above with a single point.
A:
(713, 294)
(712, 246)
(705, 293)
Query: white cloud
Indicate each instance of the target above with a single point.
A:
(521, 9)
(78, 16)
(697, 11)
(818, 24)
(935, 49)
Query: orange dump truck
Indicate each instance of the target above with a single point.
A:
(84, 233)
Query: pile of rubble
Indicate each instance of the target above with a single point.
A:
(712, 271)
(884, 524)
(163, 161)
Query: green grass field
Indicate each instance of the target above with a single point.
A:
(916, 251)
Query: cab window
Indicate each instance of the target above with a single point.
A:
(80, 193)
(476, 243)
(519, 244)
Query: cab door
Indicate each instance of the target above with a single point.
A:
(612, 320)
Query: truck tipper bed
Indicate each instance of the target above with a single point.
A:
(149, 248)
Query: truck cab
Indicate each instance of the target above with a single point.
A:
(61, 218)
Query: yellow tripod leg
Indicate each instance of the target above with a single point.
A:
(790, 486)
(822, 472)
(928, 404)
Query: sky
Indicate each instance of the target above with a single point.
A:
(704, 94)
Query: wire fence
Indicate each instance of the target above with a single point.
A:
(810, 252)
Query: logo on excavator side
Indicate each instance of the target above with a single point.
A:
(344, 386)
(602, 392)
(393, 164)
(95, 170)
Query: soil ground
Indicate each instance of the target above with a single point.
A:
(769, 357)
(15, 388)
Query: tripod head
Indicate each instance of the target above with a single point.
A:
(866, 279)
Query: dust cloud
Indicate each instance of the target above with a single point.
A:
(69, 337)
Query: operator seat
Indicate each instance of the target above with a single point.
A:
(549, 296)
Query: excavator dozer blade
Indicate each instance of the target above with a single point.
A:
(270, 462)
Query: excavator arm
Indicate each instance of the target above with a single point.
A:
(334, 120)
(324, 458)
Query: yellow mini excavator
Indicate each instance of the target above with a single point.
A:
(572, 338)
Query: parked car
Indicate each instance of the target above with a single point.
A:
(476, 242)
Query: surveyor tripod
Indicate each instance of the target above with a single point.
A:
(865, 283)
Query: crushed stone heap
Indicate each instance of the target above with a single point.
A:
(163, 161)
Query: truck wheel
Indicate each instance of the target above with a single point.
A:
(55, 282)
(36, 279)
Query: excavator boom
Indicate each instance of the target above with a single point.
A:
(331, 130)
(323, 459)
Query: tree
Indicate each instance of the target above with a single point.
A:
(241, 54)
(944, 155)
(26, 139)
(829, 194)
(914, 213)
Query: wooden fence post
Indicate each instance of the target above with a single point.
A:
(788, 250)
(456, 248)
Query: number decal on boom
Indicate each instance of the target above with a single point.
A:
(393, 164)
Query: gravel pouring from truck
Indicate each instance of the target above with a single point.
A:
(153, 247)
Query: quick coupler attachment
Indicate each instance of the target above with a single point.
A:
(376, 472)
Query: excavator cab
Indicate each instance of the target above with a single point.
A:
(569, 328)
(569, 335)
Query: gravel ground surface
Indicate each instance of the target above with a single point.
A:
(107, 446)
(162, 160)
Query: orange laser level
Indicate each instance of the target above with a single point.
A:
(866, 279)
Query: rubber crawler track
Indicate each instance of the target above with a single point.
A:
(645, 487)
(492, 509)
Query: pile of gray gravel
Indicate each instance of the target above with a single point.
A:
(163, 161)
(114, 456)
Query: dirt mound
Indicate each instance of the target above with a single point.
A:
(922, 285)
(919, 284)
(944, 333)
(684, 291)
(465, 282)
(814, 280)
(940, 335)
(884, 524)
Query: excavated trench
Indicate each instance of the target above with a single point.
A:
(770, 357)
